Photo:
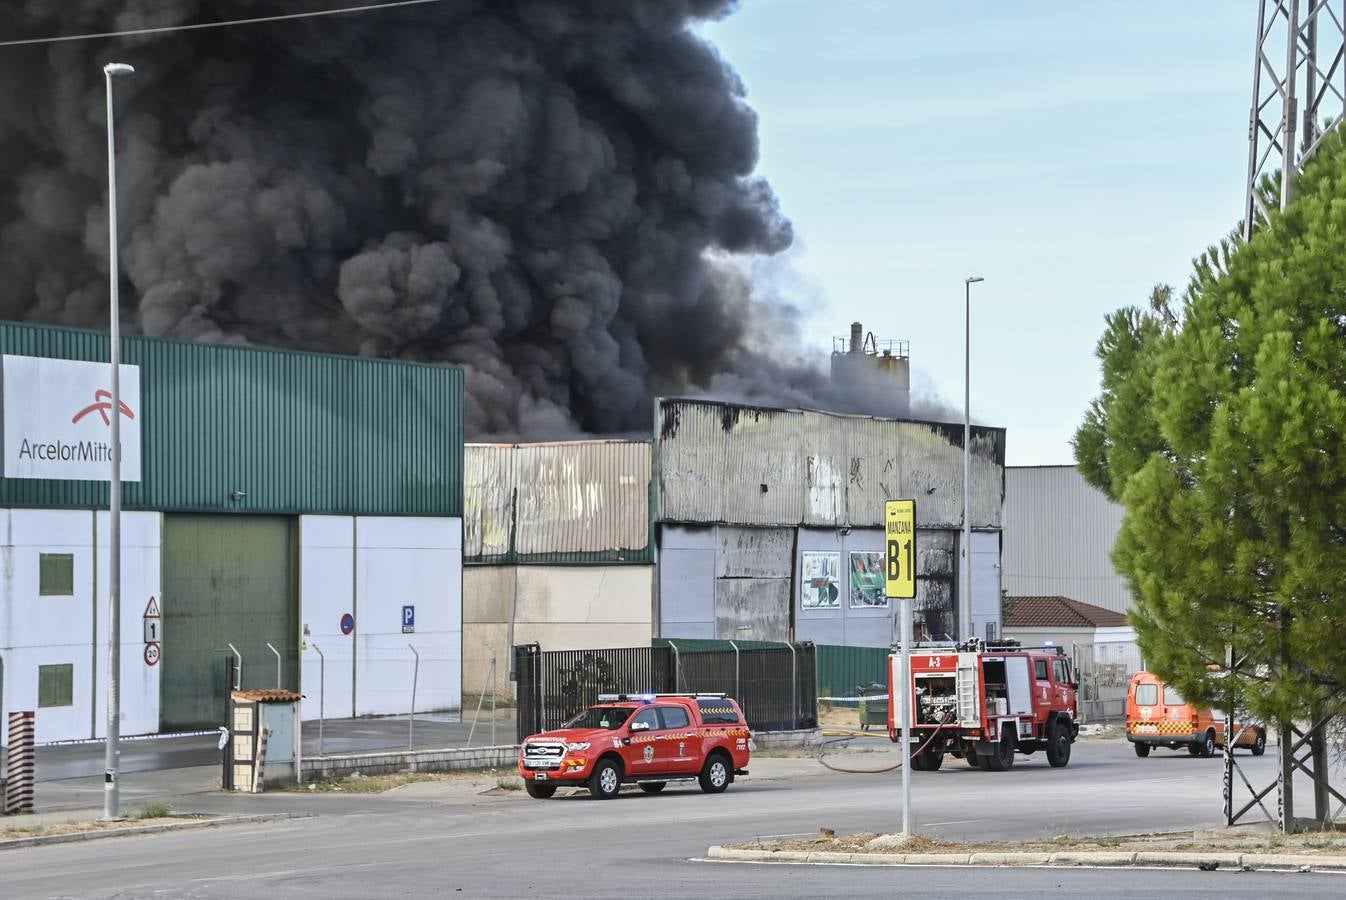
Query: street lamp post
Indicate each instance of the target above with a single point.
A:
(110, 762)
(965, 607)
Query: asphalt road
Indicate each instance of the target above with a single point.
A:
(439, 839)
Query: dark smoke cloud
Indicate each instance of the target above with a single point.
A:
(531, 188)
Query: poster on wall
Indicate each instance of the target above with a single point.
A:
(821, 580)
(868, 587)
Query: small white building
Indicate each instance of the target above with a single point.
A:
(1101, 643)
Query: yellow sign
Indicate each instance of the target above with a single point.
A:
(901, 540)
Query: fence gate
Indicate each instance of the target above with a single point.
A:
(775, 686)
(1105, 671)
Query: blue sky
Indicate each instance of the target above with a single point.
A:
(1073, 154)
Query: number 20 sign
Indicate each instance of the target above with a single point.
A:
(900, 518)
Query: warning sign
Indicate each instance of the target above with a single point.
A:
(152, 609)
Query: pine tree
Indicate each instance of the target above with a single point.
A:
(1222, 432)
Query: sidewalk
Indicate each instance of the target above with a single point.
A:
(186, 770)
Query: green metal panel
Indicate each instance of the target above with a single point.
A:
(226, 580)
(842, 669)
(296, 432)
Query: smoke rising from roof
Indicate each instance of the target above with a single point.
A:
(535, 189)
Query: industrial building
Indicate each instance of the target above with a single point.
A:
(1059, 534)
(290, 519)
(557, 551)
(770, 523)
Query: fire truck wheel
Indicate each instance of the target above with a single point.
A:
(1260, 745)
(539, 791)
(973, 760)
(715, 775)
(1003, 757)
(931, 760)
(1208, 744)
(1058, 746)
(1142, 750)
(653, 787)
(606, 780)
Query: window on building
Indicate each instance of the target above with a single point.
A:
(56, 575)
(56, 685)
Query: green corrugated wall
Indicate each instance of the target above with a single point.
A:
(842, 669)
(298, 432)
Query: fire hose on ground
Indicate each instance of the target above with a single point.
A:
(924, 746)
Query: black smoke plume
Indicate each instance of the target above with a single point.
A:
(534, 189)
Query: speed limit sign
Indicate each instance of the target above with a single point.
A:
(152, 654)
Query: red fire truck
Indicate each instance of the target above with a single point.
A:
(985, 702)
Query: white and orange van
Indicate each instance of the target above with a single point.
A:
(1158, 716)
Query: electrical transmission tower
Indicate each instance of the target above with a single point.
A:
(1299, 93)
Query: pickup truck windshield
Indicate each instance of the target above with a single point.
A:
(610, 717)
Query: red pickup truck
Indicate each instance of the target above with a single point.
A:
(648, 739)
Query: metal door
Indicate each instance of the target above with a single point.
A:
(226, 580)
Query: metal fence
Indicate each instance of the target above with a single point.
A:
(1105, 671)
(775, 685)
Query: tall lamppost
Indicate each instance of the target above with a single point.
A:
(110, 761)
(965, 607)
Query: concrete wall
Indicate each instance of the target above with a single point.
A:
(371, 567)
(559, 607)
(37, 631)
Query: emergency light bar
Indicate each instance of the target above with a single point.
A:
(623, 698)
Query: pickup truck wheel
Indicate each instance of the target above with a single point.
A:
(1260, 745)
(539, 791)
(1003, 757)
(1058, 746)
(605, 781)
(715, 774)
(1142, 750)
(653, 787)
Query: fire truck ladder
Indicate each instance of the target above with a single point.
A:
(967, 691)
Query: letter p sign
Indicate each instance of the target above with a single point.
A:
(408, 620)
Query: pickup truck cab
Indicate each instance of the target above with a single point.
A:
(646, 739)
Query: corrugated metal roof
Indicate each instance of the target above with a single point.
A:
(560, 502)
(297, 432)
(742, 465)
(1058, 612)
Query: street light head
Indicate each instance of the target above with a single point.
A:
(973, 280)
(118, 69)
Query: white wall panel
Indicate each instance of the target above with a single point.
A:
(417, 562)
(141, 540)
(326, 593)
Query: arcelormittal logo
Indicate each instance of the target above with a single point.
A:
(103, 405)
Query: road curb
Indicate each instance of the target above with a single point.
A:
(212, 822)
(1149, 859)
